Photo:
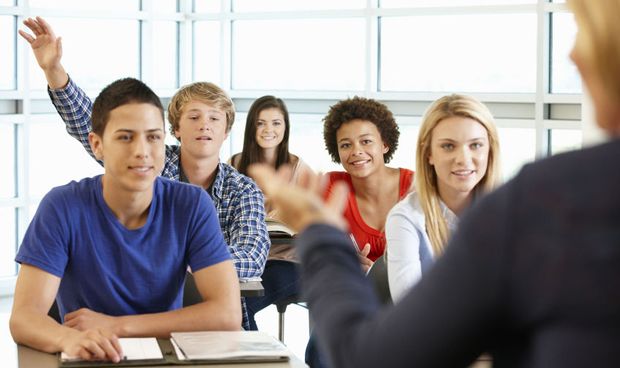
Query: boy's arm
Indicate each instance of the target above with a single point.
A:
(249, 240)
(47, 49)
(30, 325)
(220, 310)
(72, 104)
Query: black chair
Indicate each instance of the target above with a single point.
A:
(54, 312)
(191, 296)
(379, 277)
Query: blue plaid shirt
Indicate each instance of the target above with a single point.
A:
(237, 199)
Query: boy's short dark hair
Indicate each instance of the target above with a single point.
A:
(118, 93)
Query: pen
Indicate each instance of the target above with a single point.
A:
(357, 248)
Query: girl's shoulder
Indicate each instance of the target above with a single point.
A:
(409, 207)
(405, 181)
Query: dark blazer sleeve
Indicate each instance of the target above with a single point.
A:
(448, 319)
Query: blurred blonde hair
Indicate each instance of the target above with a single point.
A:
(204, 92)
(599, 24)
(425, 176)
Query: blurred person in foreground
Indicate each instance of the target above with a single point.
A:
(532, 275)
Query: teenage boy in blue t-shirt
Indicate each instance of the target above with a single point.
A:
(115, 248)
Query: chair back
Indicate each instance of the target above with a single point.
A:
(379, 277)
(54, 312)
(191, 295)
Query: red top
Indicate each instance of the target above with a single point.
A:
(361, 231)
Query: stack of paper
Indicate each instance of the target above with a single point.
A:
(143, 349)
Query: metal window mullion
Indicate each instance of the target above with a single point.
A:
(543, 45)
(146, 42)
(371, 84)
(226, 35)
(21, 133)
(185, 56)
(226, 55)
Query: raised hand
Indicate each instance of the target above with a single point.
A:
(47, 49)
(300, 205)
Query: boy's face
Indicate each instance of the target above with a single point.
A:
(202, 130)
(132, 147)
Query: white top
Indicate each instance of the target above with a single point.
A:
(409, 249)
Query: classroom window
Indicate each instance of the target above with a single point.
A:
(116, 5)
(165, 54)
(428, 3)
(56, 158)
(564, 140)
(304, 54)
(8, 243)
(517, 147)
(206, 65)
(405, 152)
(284, 5)
(7, 163)
(207, 6)
(564, 75)
(95, 51)
(236, 135)
(467, 53)
(164, 6)
(7, 50)
(306, 141)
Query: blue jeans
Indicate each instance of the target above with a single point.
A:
(280, 281)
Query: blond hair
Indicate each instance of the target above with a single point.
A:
(425, 176)
(598, 24)
(205, 92)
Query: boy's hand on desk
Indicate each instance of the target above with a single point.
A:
(85, 319)
(92, 344)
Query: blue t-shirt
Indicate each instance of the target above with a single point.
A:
(110, 269)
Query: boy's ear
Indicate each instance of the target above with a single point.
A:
(96, 145)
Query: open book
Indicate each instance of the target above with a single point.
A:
(277, 229)
(238, 346)
(208, 347)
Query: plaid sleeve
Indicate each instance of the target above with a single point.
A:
(249, 240)
(75, 109)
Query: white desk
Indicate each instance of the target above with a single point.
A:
(30, 358)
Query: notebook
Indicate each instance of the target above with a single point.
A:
(238, 346)
(186, 348)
